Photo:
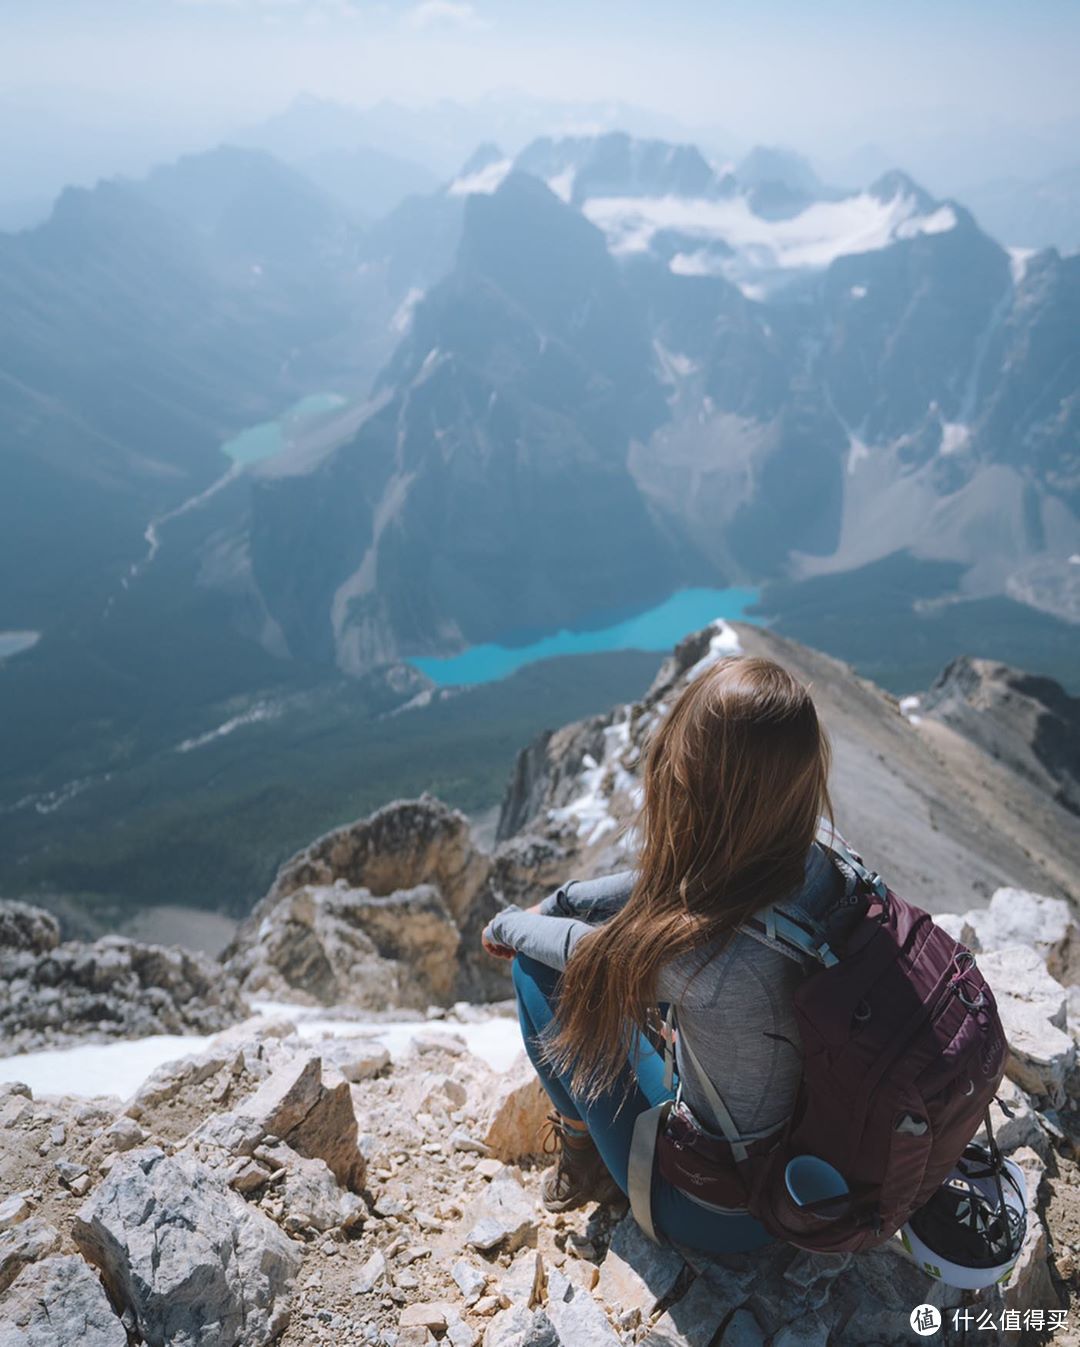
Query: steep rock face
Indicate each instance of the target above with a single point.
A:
(580, 167)
(337, 945)
(895, 784)
(1028, 386)
(52, 993)
(400, 846)
(902, 347)
(145, 320)
(388, 912)
(446, 519)
(384, 912)
(1028, 723)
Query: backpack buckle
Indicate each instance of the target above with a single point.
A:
(875, 882)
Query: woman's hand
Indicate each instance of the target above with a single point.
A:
(496, 951)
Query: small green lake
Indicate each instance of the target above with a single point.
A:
(270, 437)
(658, 629)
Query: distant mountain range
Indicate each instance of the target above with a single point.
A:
(744, 382)
(143, 324)
(576, 378)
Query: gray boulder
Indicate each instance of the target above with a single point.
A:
(189, 1259)
(25, 1242)
(59, 1303)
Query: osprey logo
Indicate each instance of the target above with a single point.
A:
(993, 1055)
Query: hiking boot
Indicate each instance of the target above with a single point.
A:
(579, 1175)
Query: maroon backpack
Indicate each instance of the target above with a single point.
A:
(902, 1050)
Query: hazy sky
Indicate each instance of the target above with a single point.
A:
(825, 75)
(773, 61)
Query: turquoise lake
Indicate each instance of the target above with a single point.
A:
(658, 629)
(270, 437)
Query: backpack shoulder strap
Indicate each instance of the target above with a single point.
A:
(716, 1103)
(790, 936)
(794, 934)
(848, 862)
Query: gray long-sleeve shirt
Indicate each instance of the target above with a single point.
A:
(734, 1003)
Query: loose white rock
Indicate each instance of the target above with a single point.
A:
(1033, 1012)
(1018, 917)
(13, 1210)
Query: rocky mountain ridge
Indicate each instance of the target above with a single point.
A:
(953, 796)
(950, 803)
(58, 993)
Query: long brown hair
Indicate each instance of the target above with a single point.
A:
(735, 784)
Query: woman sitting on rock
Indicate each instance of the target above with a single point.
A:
(735, 787)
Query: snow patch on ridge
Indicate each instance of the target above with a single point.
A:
(909, 707)
(673, 364)
(857, 451)
(483, 182)
(562, 184)
(402, 320)
(724, 641)
(1018, 262)
(259, 712)
(955, 436)
(591, 810)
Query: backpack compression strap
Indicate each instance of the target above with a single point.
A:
(647, 1125)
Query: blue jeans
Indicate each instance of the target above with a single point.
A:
(612, 1126)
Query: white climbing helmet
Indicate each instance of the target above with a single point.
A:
(970, 1233)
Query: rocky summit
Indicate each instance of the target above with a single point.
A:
(274, 1188)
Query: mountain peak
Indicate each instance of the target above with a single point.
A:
(898, 183)
(482, 157)
(775, 164)
(615, 164)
